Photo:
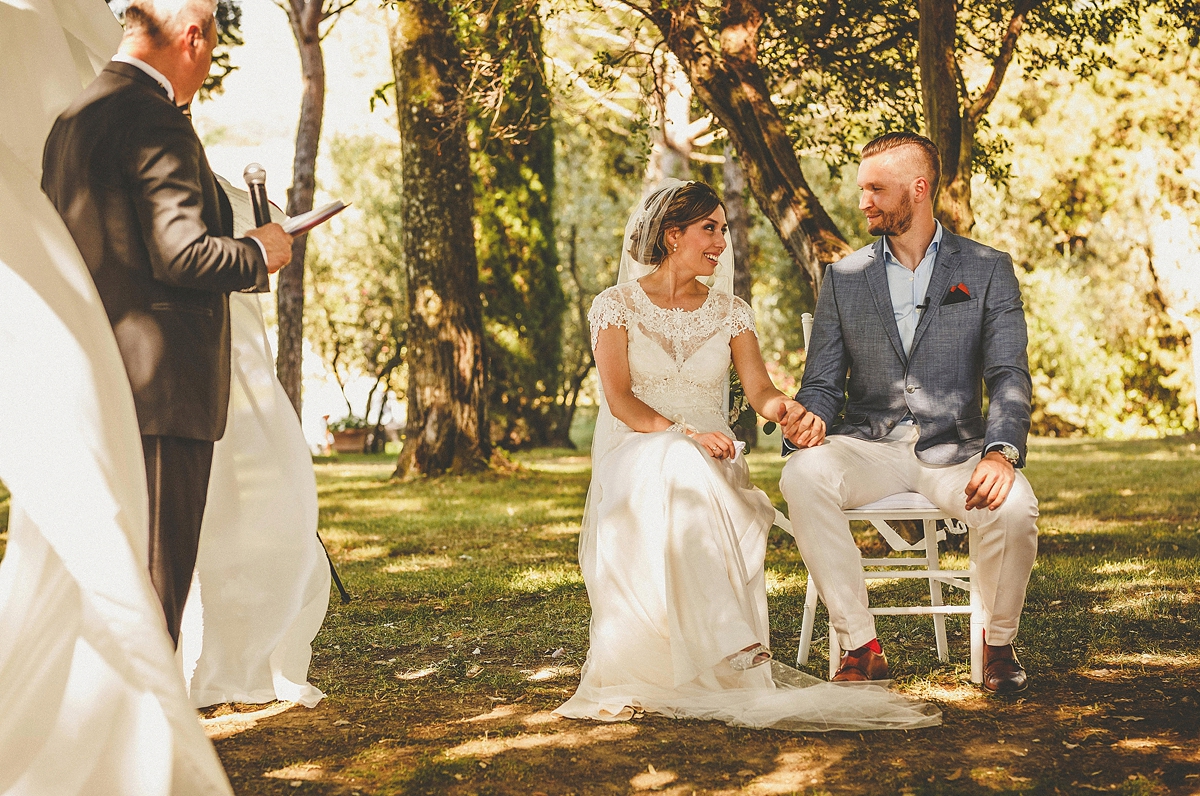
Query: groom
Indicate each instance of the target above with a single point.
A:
(907, 332)
(129, 176)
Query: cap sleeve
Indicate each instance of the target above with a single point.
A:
(607, 310)
(741, 318)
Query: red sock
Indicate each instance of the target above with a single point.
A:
(873, 646)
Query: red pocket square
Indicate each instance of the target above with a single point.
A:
(957, 295)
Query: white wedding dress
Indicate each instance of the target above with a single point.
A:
(673, 543)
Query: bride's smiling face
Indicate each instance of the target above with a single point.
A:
(700, 243)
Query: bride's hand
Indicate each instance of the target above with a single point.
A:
(718, 445)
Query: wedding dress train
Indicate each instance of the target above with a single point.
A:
(673, 543)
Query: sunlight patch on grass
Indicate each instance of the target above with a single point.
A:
(786, 582)
(558, 529)
(1120, 567)
(965, 695)
(569, 739)
(1184, 660)
(543, 579)
(301, 772)
(652, 779)
(365, 553)
(230, 724)
(564, 464)
(549, 673)
(419, 564)
(794, 772)
(418, 673)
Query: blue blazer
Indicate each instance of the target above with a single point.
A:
(858, 379)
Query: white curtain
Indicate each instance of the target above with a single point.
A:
(91, 701)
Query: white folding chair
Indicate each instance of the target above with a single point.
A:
(920, 559)
(907, 506)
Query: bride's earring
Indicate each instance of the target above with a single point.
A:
(674, 248)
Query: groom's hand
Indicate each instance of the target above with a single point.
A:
(990, 483)
(801, 427)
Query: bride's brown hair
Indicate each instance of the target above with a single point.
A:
(691, 203)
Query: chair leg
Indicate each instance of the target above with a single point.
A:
(977, 617)
(806, 625)
(933, 564)
(835, 652)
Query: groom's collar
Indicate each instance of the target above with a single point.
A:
(934, 245)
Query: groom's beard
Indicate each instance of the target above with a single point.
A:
(895, 222)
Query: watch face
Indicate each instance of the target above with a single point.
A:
(1010, 453)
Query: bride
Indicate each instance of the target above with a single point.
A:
(674, 534)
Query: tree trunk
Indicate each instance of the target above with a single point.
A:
(737, 215)
(945, 122)
(446, 428)
(731, 84)
(952, 116)
(305, 17)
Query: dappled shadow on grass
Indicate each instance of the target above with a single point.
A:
(469, 625)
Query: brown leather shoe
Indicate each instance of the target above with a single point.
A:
(1002, 672)
(861, 665)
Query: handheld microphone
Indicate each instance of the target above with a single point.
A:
(256, 180)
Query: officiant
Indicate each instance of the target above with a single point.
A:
(129, 176)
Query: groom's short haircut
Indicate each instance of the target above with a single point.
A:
(928, 149)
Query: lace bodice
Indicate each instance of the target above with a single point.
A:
(678, 359)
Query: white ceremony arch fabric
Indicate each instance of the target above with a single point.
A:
(91, 701)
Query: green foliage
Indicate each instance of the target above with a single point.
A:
(846, 72)
(1106, 356)
(356, 290)
(523, 302)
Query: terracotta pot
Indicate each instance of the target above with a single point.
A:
(350, 441)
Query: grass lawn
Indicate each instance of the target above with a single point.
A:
(469, 625)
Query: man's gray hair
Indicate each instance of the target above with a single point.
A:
(162, 20)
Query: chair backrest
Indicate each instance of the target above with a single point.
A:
(806, 322)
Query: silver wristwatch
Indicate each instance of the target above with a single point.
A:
(1008, 452)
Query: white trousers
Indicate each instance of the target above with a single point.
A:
(820, 483)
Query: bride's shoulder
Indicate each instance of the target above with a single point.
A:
(740, 315)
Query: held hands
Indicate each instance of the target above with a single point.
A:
(801, 427)
(277, 243)
(990, 483)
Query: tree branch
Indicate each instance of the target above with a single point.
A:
(1008, 48)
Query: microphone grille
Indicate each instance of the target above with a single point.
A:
(255, 174)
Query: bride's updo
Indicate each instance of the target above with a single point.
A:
(675, 207)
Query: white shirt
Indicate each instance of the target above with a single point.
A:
(908, 288)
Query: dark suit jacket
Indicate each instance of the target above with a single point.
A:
(130, 179)
(856, 365)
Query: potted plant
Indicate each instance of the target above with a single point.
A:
(349, 434)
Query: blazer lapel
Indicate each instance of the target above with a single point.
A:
(878, 283)
(939, 282)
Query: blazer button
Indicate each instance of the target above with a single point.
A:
(910, 389)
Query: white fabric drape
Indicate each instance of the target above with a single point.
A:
(91, 701)
(262, 581)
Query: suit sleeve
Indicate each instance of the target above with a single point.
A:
(826, 365)
(1005, 341)
(164, 160)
